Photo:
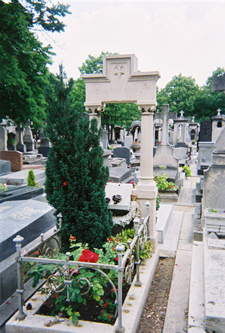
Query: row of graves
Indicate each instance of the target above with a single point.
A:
(210, 220)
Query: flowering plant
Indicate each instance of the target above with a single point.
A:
(3, 187)
(88, 256)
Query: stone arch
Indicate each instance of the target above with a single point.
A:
(121, 82)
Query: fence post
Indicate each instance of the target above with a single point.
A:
(120, 248)
(18, 240)
(138, 261)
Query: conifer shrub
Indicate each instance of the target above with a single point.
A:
(75, 175)
(31, 181)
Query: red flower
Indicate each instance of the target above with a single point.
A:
(117, 240)
(72, 238)
(110, 239)
(65, 183)
(105, 304)
(109, 316)
(88, 256)
(116, 258)
(113, 248)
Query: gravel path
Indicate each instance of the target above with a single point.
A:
(155, 308)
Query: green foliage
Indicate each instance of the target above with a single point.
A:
(180, 93)
(158, 200)
(87, 284)
(207, 102)
(120, 114)
(187, 170)
(93, 65)
(31, 181)
(163, 184)
(23, 58)
(75, 175)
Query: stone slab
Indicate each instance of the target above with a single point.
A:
(196, 311)
(5, 167)
(122, 189)
(20, 177)
(170, 244)
(163, 220)
(214, 267)
(119, 174)
(20, 193)
(27, 218)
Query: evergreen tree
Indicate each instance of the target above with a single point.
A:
(75, 175)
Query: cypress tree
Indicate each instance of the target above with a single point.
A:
(75, 175)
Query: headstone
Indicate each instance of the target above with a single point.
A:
(164, 152)
(3, 141)
(122, 152)
(205, 133)
(214, 177)
(105, 141)
(20, 145)
(128, 141)
(44, 147)
(28, 138)
(181, 154)
(181, 131)
(205, 151)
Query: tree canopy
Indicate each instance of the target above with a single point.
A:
(182, 93)
(23, 58)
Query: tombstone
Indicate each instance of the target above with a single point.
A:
(122, 152)
(217, 125)
(105, 141)
(28, 138)
(11, 141)
(3, 141)
(164, 153)
(205, 151)
(128, 141)
(181, 129)
(44, 147)
(205, 133)
(20, 145)
(214, 177)
(181, 154)
(120, 174)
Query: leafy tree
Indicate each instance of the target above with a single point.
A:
(207, 102)
(93, 65)
(180, 93)
(23, 58)
(75, 175)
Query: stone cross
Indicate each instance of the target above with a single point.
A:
(165, 115)
(181, 113)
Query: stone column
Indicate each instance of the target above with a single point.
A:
(146, 189)
(95, 113)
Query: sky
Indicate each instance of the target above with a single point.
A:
(171, 37)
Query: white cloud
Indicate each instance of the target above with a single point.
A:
(173, 38)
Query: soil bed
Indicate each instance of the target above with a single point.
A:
(154, 313)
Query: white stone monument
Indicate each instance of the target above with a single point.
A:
(121, 82)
